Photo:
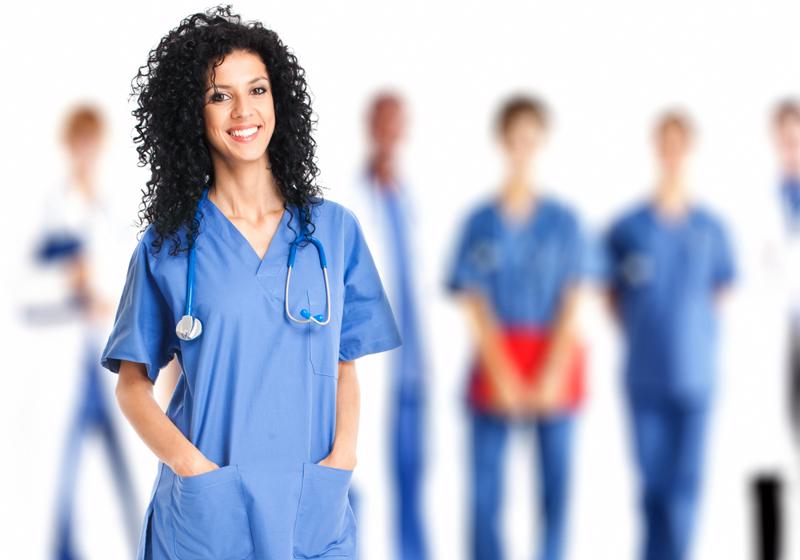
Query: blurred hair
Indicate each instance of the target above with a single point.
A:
(786, 109)
(170, 124)
(674, 118)
(382, 99)
(519, 105)
(84, 120)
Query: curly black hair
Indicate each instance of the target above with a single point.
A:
(170, 132)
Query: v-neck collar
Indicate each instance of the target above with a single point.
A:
(670, 223)
(510, 225)
(278, 245)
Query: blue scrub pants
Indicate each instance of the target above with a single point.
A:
(669, 442)
(489, 437)
(92, 417)
(408, 440)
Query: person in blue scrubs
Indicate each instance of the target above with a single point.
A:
(258, 444)
(669, 261)
(518, 265)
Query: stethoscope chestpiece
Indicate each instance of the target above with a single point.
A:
(188, 328)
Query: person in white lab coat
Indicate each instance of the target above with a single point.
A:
(386, 210)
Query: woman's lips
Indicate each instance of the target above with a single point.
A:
(238, 137)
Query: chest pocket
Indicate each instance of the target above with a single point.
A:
(323, 341)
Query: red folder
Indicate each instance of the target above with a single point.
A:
(528, 349)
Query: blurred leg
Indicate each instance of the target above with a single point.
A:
(652, 438)
(123, 479)
(407, 464)
(555, 454)
(489, 436)
(64, 545)
(687, 460)
(794, 381)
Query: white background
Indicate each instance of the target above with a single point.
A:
(606, 68)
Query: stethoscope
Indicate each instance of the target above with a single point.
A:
(190, 327)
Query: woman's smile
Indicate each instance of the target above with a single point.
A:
(244, 133)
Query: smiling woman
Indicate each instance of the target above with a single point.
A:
(257, 447)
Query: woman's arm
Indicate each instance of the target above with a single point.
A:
(134, 394)
(498, 365)
(348, 404)
(548, 393)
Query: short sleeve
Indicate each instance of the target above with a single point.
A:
(143, 330)
(579, 258)
(724, 261)
(368, 324)
(468, 264)
(611, 252)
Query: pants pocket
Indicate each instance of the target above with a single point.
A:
(325, 524)
(210, 517)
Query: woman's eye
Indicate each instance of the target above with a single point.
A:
(263, 89)
(216, 97)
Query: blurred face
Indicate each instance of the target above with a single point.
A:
(521, 141)
(787, 143)
(388, 125)
(84, 147)
(239, 112)
(672, 148)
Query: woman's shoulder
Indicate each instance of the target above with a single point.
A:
(335, 213)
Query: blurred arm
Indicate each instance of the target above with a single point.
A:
(487, 333)
(562, 340)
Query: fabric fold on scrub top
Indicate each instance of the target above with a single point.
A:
(257, 393)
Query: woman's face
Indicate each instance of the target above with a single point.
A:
(521, 141)
(239, 112)
(673, 144)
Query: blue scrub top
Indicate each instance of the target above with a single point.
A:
(665, 276)
(523, 267)
(258, 392)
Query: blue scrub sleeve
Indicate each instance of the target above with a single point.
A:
(724, 262)
(580, 264)
(143, 331)
(368, 324)
(611, 254)
(466, 273)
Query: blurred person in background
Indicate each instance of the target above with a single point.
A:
(384, 203)
(784, 248)
(774, 296)
(76, 227)
(519, 264)
(670, 260)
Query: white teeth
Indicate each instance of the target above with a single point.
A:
(244, 132)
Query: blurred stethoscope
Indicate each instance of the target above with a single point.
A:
(190, 327)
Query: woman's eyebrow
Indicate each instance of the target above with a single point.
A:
(218, 86)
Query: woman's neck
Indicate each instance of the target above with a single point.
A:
(518, 196)
(83, 179)
(247, 190)
(671, 197)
